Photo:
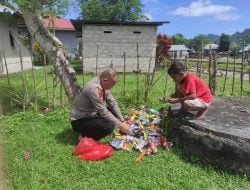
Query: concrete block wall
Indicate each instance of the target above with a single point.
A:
(14, 65)
(105, 45)
(12, 52)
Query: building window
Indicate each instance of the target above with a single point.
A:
(107, 32)
(137, 32)
(12, 40)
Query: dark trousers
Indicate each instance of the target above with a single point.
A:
(94, 127)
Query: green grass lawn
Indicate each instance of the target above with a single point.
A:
(52, 166)
(51, 140)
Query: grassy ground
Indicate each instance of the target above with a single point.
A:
(2, 176)
(52, 165)
(50, 138)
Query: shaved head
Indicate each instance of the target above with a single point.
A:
(108, 78)
(109, 73)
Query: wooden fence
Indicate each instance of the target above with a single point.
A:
(51, 94)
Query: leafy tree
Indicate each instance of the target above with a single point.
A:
(32, 11)
(197, 42)
(246, 39)
(112, 10)
(190, 43)
(179, 39)
(234, 48)
(162, 48)
(224, 42)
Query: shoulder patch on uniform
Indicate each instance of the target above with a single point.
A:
(100, 93)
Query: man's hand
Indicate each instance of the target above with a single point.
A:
(164, 99)
(173, 100)
(124, 127)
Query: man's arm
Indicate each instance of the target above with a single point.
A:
(96, 99)
(113, 106)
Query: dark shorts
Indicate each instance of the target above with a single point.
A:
(94, 127)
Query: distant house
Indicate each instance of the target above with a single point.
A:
(246, 48)
(214, 48)
(179, 51)
(12, 51)
(118, 43)
(65, 31)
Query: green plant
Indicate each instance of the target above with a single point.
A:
(27, 97)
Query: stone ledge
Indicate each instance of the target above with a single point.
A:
(223, 138)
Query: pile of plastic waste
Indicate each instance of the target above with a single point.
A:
(145, 134)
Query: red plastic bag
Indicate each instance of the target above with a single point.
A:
(89, 149)
(85, 145)
(97, 152)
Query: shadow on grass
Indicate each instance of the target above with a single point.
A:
(67, 137)
(203, 163)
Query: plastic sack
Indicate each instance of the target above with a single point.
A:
(89, 149)
(98, 152)
(85, 145)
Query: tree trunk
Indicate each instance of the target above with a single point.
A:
(53, 49)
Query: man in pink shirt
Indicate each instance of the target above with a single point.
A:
(191, 91)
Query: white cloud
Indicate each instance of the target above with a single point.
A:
(206, 8)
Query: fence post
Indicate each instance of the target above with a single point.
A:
(61, 90)
(242, 69)
(197, 64)
(186, 61)
(233, 75)
(96, 64)
(249, 76)
(124, 75)
(201, 58)
(148, 81)
(225, 80)
(54, 76)
(23, 82)
(209, 70)
(8, 79)
(166, 81)
(137, 74)
(215, 74)
(34, 83)
(83, 66)
(46, 80)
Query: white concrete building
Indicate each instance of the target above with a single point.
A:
(211, 48)
(11, 49)
(106, 43)
(179, 51)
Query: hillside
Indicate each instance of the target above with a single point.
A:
(236, 37)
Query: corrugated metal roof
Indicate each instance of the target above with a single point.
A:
(78, 23)
(212, 46)
(58, 24)
(246, 48)
(179, 48)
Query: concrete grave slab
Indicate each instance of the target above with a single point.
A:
(222, 138)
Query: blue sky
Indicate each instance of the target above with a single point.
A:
(194, 17)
